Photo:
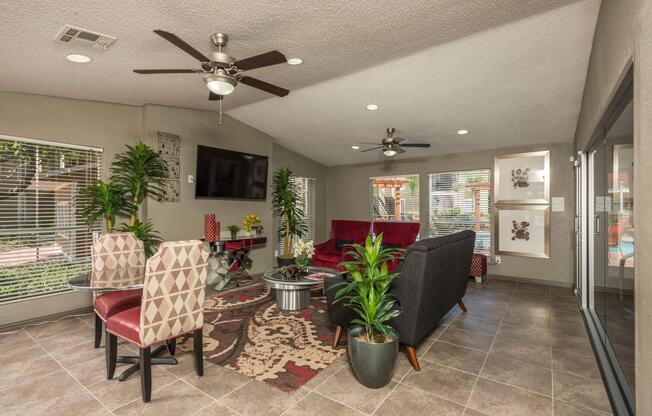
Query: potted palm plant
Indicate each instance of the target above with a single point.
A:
(103, 200)
(372, 343)
(285, 202)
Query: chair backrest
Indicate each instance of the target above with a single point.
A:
(173, 292)
(117, 259)
(433, 278)
(402, 233)
(355, 231)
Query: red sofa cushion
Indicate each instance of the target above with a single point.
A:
(111, 303)
(355, 231)
(397, 232)
(126, 325)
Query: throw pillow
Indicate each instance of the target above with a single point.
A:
(342, 244)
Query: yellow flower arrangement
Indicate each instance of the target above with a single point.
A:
(250, 221)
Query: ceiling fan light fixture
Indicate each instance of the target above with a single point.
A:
(295, 61)
(78, 58)
(389, 152)
(355, 147)
(220, 84)
(462, 132)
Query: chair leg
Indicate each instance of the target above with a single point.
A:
(412, 356)
(172, 345)
(199, 352)
(146, 373)
(462, 305)
(98, 331)
(337, 337)
(111, 350)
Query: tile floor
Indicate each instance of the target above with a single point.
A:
(520, 350)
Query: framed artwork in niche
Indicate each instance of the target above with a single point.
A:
(522, 230)
(522, 178)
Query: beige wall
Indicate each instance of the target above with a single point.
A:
(348, 198)
(624, 33)
(302, 166)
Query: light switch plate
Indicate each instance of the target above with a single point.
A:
(558, 204)
(191, 179)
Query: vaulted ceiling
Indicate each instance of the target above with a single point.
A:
(510, 71)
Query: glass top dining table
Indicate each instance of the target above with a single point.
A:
(121, 278)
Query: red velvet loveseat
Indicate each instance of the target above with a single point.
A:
(343, 232)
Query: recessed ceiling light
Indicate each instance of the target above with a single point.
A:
(354, 147)
(295, 61)
(462, 132)
(372, 107)
(78, 58)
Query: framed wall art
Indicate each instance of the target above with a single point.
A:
(522, 178)
(522, 230)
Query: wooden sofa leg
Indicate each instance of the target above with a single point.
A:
(98, 330)
(337, 337)
(412, 355)
(462, 306)
(146, 373)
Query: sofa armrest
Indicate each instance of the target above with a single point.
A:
(338, 314)
(328, 245)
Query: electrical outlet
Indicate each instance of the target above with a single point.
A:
(498, 259)
(191, 179)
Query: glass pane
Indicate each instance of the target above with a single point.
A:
(395, 198)
(598, 261)
(619, 272)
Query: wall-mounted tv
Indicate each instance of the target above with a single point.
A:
(227, 174)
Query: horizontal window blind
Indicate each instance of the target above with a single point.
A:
(395, 198)
(306, 188)
(461, 201)
(43, 239)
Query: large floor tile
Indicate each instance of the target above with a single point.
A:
(260, 399)
(513, 316)
(474, 340)
(582, 391)
(575, 362)
(520, 332)
(217, 381)
(442, 381)
(522, 350)
(475, 324)
(406, 400)
(317, 405)
(62, 327)
(496, 399)
(567, 409)
(518, 373)
(82, 335)
(575, 342)
(343, 387)
(216, 409)
(177, 399)
(455, 356)
(25, 370)
(93, 370)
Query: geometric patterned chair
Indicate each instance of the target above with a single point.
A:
(118, 259)
(171, 306)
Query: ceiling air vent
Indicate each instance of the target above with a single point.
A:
(81, 37)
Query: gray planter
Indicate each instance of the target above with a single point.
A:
(373, 364)
(282, 261)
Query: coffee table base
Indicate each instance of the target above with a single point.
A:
(293, 299)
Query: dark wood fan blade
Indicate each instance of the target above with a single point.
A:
(373, 148)
(369, 143)
(181, 44)
(214, 97)
(168, 71)
(399, 150)
(262, 85)
(416, 145)
(262, 60)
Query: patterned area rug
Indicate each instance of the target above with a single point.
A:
(246, 332)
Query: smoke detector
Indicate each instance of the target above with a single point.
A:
(86, 38)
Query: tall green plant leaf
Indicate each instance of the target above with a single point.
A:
(285, 202)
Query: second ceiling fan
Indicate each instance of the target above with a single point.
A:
(391, 145)
(223, 72)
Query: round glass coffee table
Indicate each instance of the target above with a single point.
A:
(294, 295)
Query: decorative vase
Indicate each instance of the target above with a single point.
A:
(373, 364)
(211, 229)
(234, 235)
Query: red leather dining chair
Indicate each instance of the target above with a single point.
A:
(171, 306)
(118, 259)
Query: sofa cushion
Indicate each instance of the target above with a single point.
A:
(328, 256)
(341, 244)
(355, 231)
(110, 303)
(126, 325)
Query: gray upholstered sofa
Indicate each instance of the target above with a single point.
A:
(433, 279)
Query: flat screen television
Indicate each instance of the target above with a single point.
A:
(227, 174)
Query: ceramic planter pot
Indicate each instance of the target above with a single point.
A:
(282, 261)
(234, 235)
(373, 364)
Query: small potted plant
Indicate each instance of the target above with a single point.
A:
(251, 222)
(233, 229)
(285, 202)
(372, 343)
(303, 252)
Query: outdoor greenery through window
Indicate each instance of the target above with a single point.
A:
(461, 201)
(43, 239)
(395, 198)
(307, 191)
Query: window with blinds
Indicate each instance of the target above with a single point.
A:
(461, 201)
(43, 239)
(307, 192)
(395, 198)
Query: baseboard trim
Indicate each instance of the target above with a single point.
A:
(532, 281)
(14, 326)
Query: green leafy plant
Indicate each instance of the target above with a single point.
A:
(285, 202)
(141, 171)
(234, 229)
(367, 291)
(145, 233)
(103, 200)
